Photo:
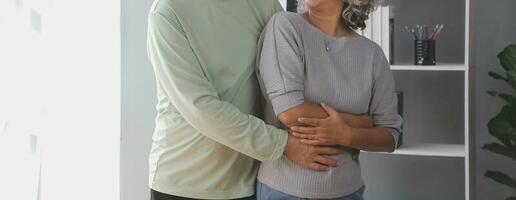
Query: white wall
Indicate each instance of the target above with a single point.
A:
(59, 99)
(495, 28)
(138, 101)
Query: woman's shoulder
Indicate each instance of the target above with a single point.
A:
(369, 45)
(285, 15)
(284, 19)
(374, 51)
(366, 42)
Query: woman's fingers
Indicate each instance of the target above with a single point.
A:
(329, 109)
(355, 154)
(318, 167)
(312, 142)
(326, 161)
(303, 136)
(304, 130)
(311, 139)
(310, 121)
(327, 150)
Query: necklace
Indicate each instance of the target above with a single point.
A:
(326, 45)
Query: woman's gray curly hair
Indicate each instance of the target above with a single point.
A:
(354, 12)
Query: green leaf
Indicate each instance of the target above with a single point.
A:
(511, 77)
(496, 76)
(500, 149)
(492, 92)
(503, 123)
(508, 57)
(501, 178)
(511, 198)
(507, 136)
(509, 113)
(511, 100)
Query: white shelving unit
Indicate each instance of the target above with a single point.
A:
(465, 150)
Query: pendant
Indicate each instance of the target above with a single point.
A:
(326, 45)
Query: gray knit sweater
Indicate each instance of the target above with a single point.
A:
(298, 62)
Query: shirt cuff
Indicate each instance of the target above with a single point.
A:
(395, 135)
(280, 145)
(286, 101)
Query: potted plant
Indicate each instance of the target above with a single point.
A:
(503, 125)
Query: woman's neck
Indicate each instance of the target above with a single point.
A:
(327, 22)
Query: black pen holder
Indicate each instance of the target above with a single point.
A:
(424, 52)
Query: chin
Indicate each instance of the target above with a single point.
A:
(314, 3)
(321, 3)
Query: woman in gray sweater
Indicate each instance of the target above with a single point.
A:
(314, 57)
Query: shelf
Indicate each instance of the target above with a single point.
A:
(438, 67)
(420, 149)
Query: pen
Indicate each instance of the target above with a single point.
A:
(410, 32)
(424, 32)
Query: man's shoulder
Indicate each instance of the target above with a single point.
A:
(172, 9)
(165, 6)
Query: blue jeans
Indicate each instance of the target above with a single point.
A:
(264, 192)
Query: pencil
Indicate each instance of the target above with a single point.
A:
(432, 34)
(438, 30)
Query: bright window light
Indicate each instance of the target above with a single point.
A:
(59, 99)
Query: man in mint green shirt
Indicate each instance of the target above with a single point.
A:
(206, 140)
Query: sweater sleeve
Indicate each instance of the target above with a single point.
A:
(179, 74)
(280, 68)
(383, 105)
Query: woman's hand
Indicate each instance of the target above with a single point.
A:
(357, 121)
(333, 130)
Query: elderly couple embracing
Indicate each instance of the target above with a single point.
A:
(255, 103)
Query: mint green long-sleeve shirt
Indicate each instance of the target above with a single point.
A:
(206, 138)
